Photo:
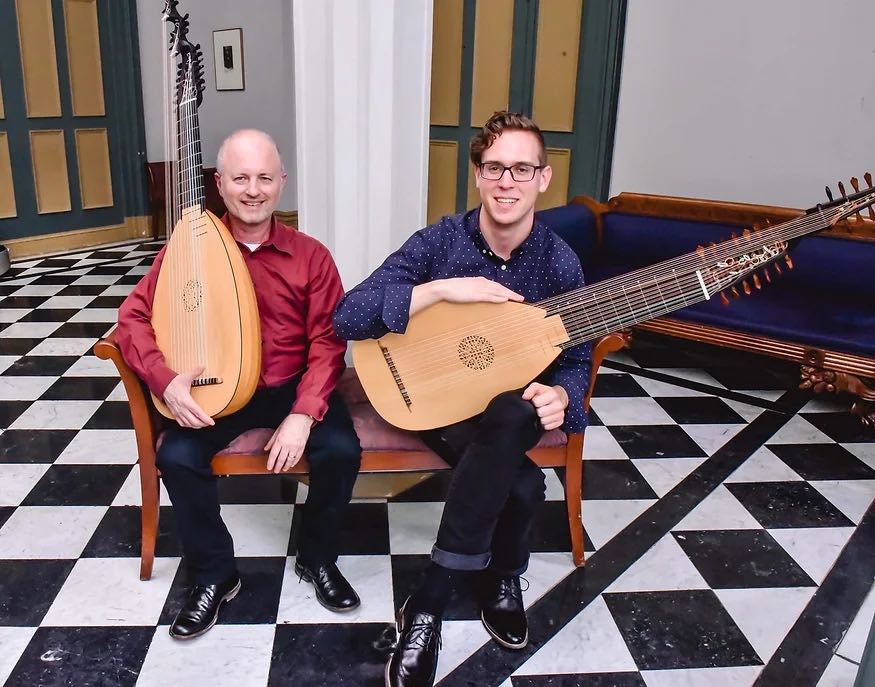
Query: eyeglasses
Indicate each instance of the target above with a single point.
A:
(518, 172)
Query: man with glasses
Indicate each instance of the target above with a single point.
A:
(494, 253)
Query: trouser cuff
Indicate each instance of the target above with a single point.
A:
(460, 561)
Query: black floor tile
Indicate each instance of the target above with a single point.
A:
(330, 655)
(739, 559)
(49, 315)
(80, 389)
(5, 513)
(83, 656)
(788, 504)
(365, 530)
(679, 629)
(111, 415)
(130, 279)
(56, 263)
(10, 410)
(656, 441)
(118, 534)
(40, 365)
(78, 485)
(615, 479)
(82, 330)
(33, 445)
(56, 278)
(14, 302)
(584, 680)
(842, 427)
(822, 461)
(699, 410)
(83, 290)
(755, 377)
(433, 489)
(617, 385)
(550, 529)
(28, 588)
(107, 302)
(15, 346)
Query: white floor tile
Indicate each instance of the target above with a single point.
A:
(101, 447)
(6, 361)
(226, 656)
(865, 452)
(545, 571)
(97, 279)
(39, 290)
(664, 474)
(746, 410)
(851, 496)
(370, 576)
(17, 479)
(660, 389)
(555, 490)
(590, 643)
(798, 430)
(711, 438)
(49, 531)
(13, 641)
(599, 444)
(839, 673)
(665, 567)
(109, 591)
(95, 315)
(23, 388)
(815, 549)
(720, 510)
(740, 676)
(461, 638)
(91, 366)
(130, 495)
(825, 404)
(29, 330)
(62, 346)
(854, 641)
(56, 415)
(765, 616)
(605, 518)
(118, 394)
(12, 314)
(259, 529)
(639, 410)
(763, 466)
(691, 374)
(413, 526)
(67, 302)
(118, 290)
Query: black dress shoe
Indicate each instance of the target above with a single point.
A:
(332, 589)
(414, 661)
(502, 611)
(201, 609)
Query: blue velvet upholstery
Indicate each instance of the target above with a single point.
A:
(826, 301)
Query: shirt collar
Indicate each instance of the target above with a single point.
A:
(279, 236)
(533, 241)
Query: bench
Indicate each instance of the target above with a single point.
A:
(819, 315)
(385, 449)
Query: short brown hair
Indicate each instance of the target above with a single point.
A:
(499, 123)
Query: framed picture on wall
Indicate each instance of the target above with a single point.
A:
(228, 57)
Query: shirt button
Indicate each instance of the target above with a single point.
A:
(504, 267)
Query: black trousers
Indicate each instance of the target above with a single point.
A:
(333, 452)
(495, 487)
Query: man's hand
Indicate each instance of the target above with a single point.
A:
(185, 409)
(549, 401)
(287, 444)
(460, 290)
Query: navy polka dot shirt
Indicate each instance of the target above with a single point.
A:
(541, 267)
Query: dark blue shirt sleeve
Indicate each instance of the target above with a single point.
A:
(381, 303)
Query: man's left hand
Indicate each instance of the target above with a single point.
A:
(549, 401)
(287, 444)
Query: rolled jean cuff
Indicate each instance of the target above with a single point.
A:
(460, 561)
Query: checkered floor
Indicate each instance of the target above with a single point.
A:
(730, 530)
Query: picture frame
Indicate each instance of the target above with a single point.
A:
(228, 59)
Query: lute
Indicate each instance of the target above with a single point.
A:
(454, 358)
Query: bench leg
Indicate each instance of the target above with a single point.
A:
(149, 518)
(573, 485)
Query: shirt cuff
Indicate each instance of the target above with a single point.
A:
(159, 379)
(313, 406)
(396, 307)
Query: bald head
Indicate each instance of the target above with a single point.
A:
(252, 140)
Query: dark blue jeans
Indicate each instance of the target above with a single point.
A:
(495, 487)
(333, 452)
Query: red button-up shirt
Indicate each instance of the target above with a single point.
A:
(297, 287)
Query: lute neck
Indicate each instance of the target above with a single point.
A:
(190, 178)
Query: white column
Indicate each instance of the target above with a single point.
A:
(362, 81)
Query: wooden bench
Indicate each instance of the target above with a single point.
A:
(385, 449)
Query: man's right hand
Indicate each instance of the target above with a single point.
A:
(178, 398)
(461, 290)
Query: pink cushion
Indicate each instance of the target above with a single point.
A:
(375, 434)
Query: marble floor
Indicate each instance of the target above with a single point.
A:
(730, 531)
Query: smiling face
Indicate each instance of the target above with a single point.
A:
(250, 179)
(510, 204)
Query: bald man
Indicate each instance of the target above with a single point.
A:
(297, 287)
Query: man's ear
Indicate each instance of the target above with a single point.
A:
(476, 170)
(546, 175)
(218, 178)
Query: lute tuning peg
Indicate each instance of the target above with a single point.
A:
(828, 192)
(867, 177)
